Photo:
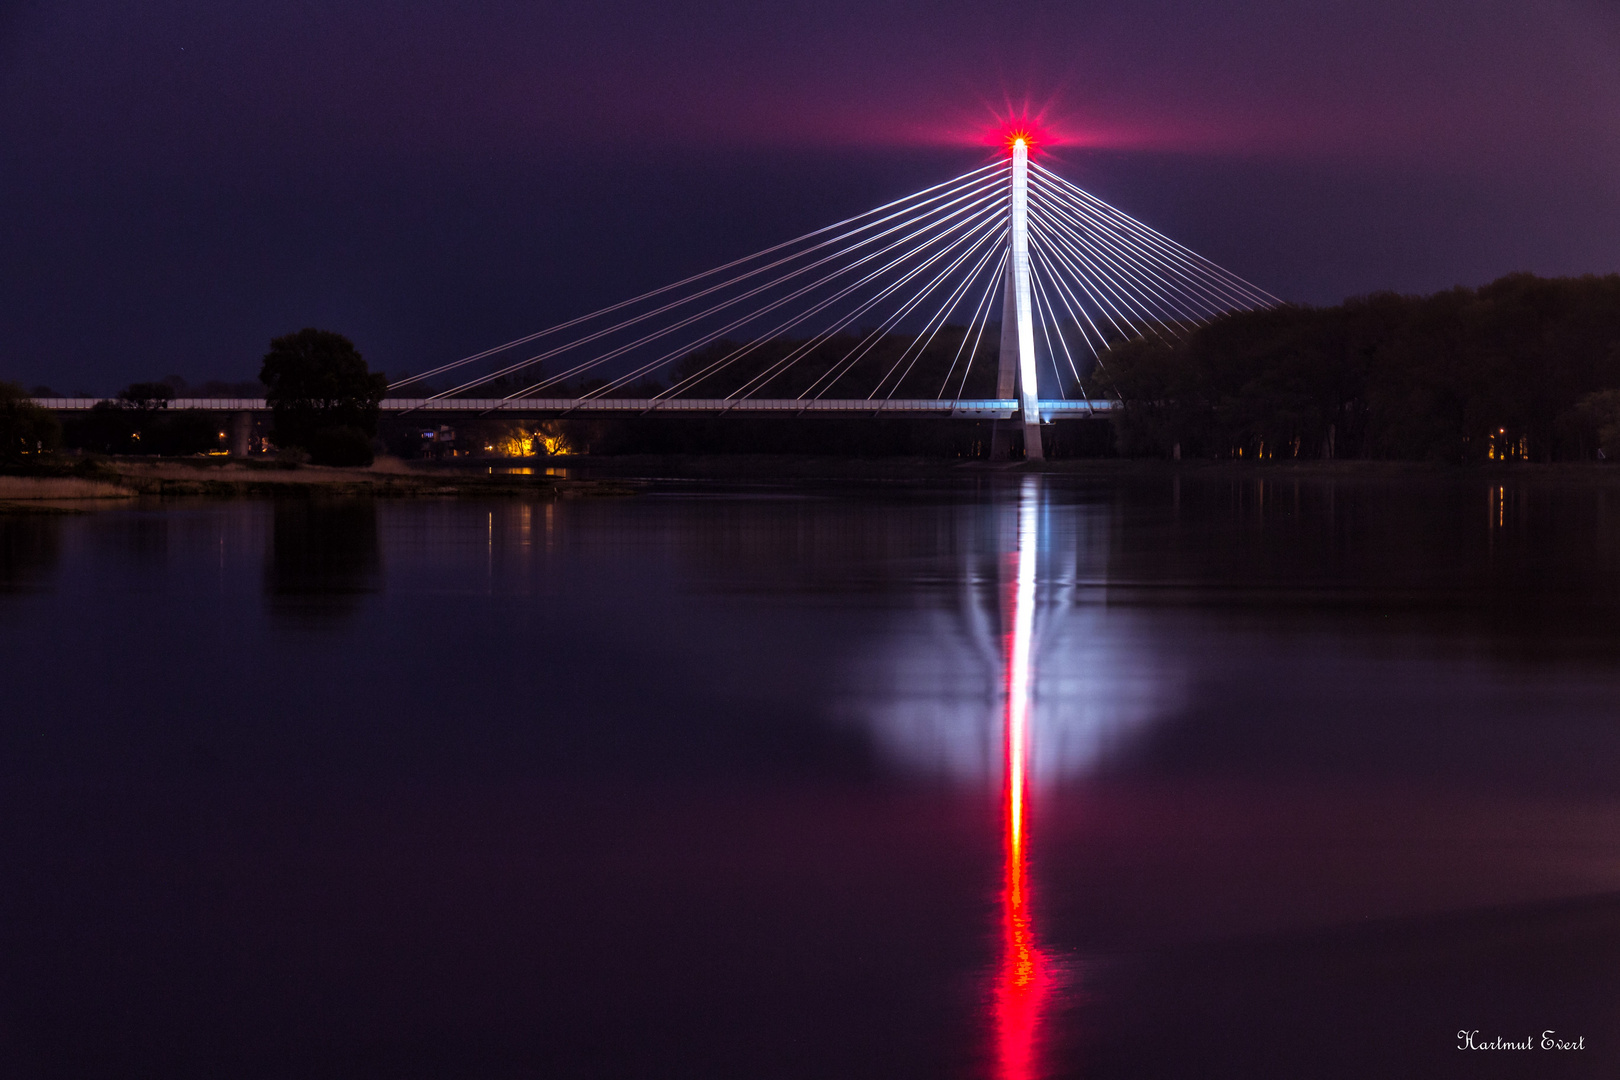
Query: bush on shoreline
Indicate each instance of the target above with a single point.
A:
(26, 430)
(323, 396)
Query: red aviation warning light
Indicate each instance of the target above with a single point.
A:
(1007, 135)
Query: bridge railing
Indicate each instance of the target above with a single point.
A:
(966, 409)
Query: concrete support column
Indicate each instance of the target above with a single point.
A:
(241, 430)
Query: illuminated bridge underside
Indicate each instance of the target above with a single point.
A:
(964, 409)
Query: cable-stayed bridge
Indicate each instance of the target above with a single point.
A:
(992, 295)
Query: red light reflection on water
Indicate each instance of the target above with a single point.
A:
(1024, 978)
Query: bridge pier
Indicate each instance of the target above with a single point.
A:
(241, 430)
(1005, 442)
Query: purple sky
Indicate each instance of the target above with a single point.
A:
(181, 181)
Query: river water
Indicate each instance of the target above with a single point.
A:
(1002, 776)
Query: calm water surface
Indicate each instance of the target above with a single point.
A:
(1006, 777)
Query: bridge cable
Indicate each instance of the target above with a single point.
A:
(808, 346)
(1077, 308)
(1064, 291)
(749, 347)
(1095, 284)
(1059, 286)
(937, 322)
(1049, 321)
(1219, 299)
(1136, 269)
(1169, 251)
(974, 223)
(694, 278)
(688, 320)
(985, 192)
(1257, 295)
(990, 289)
(842, 367)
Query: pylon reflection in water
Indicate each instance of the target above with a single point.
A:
(1025, 978)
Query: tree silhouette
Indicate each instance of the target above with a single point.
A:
(318, 386)
(1516, 369)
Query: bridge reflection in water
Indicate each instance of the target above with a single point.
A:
(1011, 672)
(1025, 978)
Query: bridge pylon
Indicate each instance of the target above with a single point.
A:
(1016, 376)
(862, 307)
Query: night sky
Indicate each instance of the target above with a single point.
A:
(181, 181)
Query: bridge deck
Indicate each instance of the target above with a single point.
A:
(973, 409)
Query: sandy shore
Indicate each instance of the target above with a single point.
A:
(123, 478)
(31, 488)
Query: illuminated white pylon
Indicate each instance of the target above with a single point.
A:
(1017, 374)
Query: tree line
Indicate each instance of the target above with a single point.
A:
(1525, 368)
(324, 399)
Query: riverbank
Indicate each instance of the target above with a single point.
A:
(812, 467)
(126, 478)
(93, 482)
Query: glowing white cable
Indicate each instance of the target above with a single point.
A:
(621, 350)
(1258, 295)
(1100, 295)
(936, 322)
(1047, 323)
(698, 277)
(843, 366)
(1061, 284)
(737, 354)
(984, 305)
(985, 192)
(1134, 273)
(859, 352)
(1078, 309)
(808, 347)
(1047, 271)
(1171, 249)
(1196, 286)
(1216, 299)
(972, 225)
